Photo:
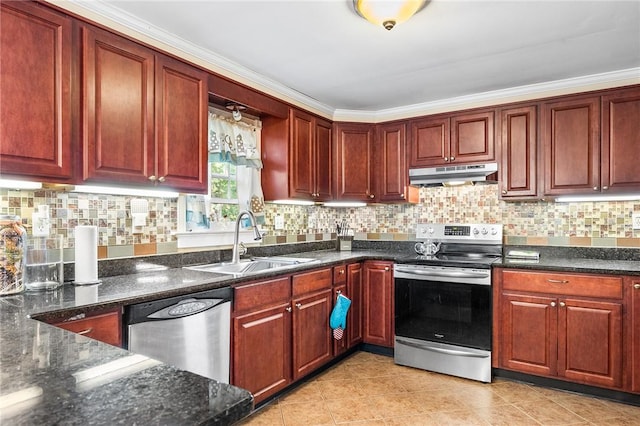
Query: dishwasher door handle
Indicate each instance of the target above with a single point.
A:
(185, 308)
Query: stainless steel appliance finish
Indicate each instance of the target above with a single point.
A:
(443, 300)
(189, 332)
(431, 176)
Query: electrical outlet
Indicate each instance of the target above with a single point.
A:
(279, 222)
(636, 220)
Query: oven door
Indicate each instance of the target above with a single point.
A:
(445, 305)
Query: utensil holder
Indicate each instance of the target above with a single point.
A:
(343, 243)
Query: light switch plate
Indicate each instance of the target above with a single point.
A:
(636, 220)
(279, 222)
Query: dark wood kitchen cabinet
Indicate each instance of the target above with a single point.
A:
(632, 333)
(567, 326)
(103, 326)
(445, 139)
(297, 157)
(347, 280)
(144, 115)
(620, 141)
(519, 152)
(377, 317)
(35, 88)
(571, 146)
(355, 180)
(261, 359)
(390, 152)
(280, 331)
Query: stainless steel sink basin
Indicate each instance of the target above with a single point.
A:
(254, 265)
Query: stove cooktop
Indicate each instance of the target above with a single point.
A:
(467, 260)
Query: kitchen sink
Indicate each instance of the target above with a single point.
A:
(253, 265)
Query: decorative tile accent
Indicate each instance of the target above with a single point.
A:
(601, 224)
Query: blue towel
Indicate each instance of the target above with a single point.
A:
(338, 317)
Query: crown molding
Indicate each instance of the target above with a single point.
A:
(513, 94)
(119, 20)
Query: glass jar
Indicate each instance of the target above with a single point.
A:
(12, 247)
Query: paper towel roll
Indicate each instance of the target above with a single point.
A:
(86, 252)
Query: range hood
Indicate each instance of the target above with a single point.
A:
(451, 174)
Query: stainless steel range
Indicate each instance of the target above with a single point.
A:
(443, 299)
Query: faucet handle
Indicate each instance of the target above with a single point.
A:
(242, 250)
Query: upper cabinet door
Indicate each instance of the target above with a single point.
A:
(323, 162)
(430, 142)
(35, 112)
(301, 175)
(472, 137)
(621, 141)
(354, 147)
(571, 146)
(391, 160)
(181, 95)
(117, 108)
(518, 159)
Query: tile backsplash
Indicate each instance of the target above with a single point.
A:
(597, 224)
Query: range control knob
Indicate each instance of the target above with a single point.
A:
(484, 231)
(494, 231)
(475, 231)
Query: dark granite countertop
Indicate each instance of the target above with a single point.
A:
(51, 376)
(583, 260)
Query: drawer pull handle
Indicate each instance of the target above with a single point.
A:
(636, 286)
(558, 281)
(87, 331)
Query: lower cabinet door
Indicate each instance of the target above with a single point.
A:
(311, 332)
(340, 346)
(529, 334)
(590, 342)
(262, 351)
(633, 347)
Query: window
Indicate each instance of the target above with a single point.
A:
(223, 186)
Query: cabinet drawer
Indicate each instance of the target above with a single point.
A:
(262, 293)
(563, 284)
(312, 281)
(339, 274)
(105, 327)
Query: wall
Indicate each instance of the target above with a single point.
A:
(601, 224)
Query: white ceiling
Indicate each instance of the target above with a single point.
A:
(324, 54)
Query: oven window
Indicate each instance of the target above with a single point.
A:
(457, 314)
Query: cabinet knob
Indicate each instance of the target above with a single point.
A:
(595, 188)
(446, 159)
(161, 179)
(452, 158)
(341, 271)
(152, 178)
(553, 304)
(636, 286)
(299, 305)
(338, 291)
(504, 192)
(562, 304)
(288, 309)
(386, 268)
(402, 196)
(604, 188)
(372, 196)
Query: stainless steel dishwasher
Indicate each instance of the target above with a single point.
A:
(190, 332)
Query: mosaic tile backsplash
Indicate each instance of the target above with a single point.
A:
(597, 224)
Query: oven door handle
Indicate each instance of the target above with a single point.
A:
(450, 274)
(442, 350)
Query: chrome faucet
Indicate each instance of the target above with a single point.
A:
(235, 257)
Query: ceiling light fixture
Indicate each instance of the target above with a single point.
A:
(235, 110)
(388, 13)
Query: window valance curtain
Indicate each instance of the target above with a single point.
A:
(233, 142)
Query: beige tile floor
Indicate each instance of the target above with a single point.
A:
(368, 389)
